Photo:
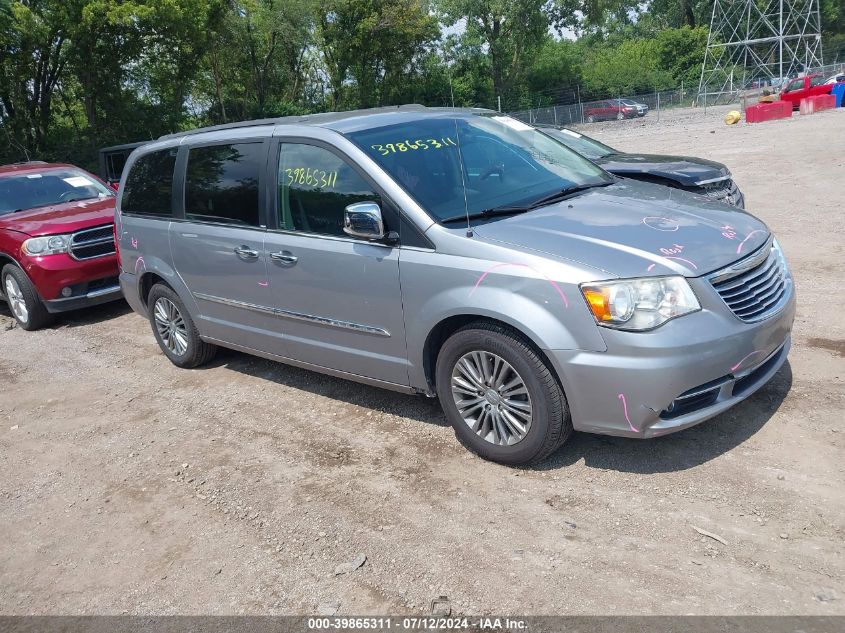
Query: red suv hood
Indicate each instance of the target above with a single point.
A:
(61, 218)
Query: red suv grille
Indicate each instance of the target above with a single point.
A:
(91, 243)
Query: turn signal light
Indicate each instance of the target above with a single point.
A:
(599, 301)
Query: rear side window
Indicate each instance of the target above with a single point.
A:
(221, 183)
(149, 184)
(816, 81)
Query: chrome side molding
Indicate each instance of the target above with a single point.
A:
(298, 316)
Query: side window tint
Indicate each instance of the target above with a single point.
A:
(816, 81)
(149, 184)
(221, 183)
(315, 185)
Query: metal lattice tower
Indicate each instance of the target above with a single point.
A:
(758, 40)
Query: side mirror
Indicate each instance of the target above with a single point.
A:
(363, 219)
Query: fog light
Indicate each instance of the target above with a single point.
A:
(67, 291)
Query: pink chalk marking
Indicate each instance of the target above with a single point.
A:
(681, 259)
(650, 267)
(140, 262)
(735, 367)
(621, 396)
(650, 220)
(492, 268)
(674, 250)
(263, 284)
(747, 237)
(134, 242)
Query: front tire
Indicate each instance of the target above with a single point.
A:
(174, 329)
(23, 299)
(501, 398)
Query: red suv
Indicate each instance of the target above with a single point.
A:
(610, 109)
(57, 249)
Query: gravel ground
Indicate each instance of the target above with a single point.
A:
(130, 486)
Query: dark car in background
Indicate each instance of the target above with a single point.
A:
(696, 175)
(112, 160)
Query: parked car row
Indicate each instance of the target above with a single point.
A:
(454, 253)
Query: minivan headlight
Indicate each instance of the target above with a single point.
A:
(639, 304)
(47, 245)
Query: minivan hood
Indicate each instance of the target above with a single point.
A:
(61, 218)
(685, 170)
(634, 229)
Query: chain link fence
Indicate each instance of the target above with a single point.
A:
(653, 104)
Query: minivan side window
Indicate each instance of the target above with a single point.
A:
(315, 185)
(221, 183)
(149, 184)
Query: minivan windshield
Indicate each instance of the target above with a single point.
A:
(471, 165)
(584, 145)
(29, 190)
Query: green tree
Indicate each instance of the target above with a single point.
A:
(376, 43)
(512, 31)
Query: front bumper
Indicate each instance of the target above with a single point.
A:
(692, 368)
(52, 273)
(94, 293)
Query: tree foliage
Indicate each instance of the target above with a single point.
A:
(76, 75)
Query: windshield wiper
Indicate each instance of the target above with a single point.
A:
(565, 193)
(488, 213)
(514, 209)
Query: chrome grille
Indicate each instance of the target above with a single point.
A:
(755, 287)
(91, 243)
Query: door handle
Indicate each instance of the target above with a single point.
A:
(284, 257)
(245, 252)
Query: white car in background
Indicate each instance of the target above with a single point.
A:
(836, 78)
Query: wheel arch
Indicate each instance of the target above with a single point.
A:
(447, 326)
(146, 283)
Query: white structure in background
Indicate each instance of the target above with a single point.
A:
(748, 44)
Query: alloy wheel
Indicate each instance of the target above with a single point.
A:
(171, 326)
(492, 398)
(16, 300)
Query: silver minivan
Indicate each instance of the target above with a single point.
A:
(456, 253)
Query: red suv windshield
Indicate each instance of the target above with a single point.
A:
(29, 190)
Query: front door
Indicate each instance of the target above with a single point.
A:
(218, 249)
(338, 297)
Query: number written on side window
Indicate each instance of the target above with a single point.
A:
(221, 183)
(308, 176)
(315, 186)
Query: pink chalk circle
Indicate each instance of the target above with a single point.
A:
(659, 223)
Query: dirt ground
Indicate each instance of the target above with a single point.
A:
(130, 486)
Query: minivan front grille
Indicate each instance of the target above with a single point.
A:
(91, 243)
(755, 287)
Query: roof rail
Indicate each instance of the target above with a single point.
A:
(303, 119)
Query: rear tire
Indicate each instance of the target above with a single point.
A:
(620, 116)
(512, 409)
(174, 329)
(23, 300)
(591, 119)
